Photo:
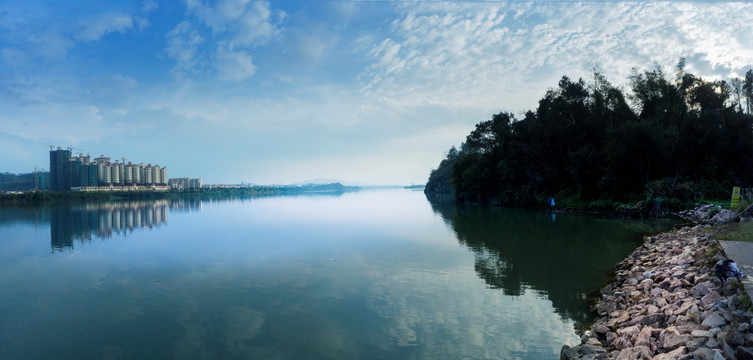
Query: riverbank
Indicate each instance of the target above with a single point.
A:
(50, 197)
(666, 303)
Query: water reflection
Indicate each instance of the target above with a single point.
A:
(565, 259)
(101, 220)
(71, 223)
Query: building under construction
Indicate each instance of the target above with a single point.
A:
(82, 173)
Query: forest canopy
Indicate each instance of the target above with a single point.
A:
(671, 136)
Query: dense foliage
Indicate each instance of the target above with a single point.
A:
(17, 182)
(683, 139)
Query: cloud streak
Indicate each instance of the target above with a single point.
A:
(480, 54)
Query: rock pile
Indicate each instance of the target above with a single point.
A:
(709, 214)
(666, 303)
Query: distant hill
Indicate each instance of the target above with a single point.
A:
(332, 181)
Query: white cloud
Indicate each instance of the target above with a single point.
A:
(255, 26)
(73, 123)
(183, 46)
(482, 55)
(245, 23)
(148, 6)
(51, 44)
(315, 44)
(95, 28)
(234, 65)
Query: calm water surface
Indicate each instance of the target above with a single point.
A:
(368, 275)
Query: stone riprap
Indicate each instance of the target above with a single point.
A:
(709, 214)
(666, 303)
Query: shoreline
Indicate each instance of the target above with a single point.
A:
(666, 303)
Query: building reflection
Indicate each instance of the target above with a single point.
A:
(83, 223)
(86, 222)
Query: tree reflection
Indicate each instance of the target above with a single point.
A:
(564, 259)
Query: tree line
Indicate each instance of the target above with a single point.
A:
(17, 182)
(672, 137)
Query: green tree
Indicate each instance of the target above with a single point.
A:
(748, 90)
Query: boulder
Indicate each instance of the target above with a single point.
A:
(744, 353)
(622, 342)
(710, 299)
(580, 352)
(701, 333)
(644, 337)
(672, 341)
(674, 354)
(713, 321)
(702, 288)
(695, 344)
(707, 354)
(734, 338)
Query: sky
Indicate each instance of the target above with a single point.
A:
(277, 92)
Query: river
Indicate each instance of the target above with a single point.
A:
(363, 275)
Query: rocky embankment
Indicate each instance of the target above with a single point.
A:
(709, 214)
(666, 303)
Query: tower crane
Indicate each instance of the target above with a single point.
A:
(50, 145)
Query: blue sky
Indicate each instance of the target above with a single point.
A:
(285, 91)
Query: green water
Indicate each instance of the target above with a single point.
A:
(367, 275)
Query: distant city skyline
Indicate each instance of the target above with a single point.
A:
(280, 92)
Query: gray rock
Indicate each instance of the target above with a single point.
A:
(684, 308)
(643, 352)
(637, 319)
(710, 299)
(707, 354)
(674, 354)
(661, 302)
(644, 337)
(728, 351)
(593, 341)
(622, 342)
(694, 314)
(672, 341)
(701, 333)
(603, 308)
(611, 337)
(743, 317)
(735, 338)
(744, 353)
(714, 320)
(695, 344)
(630, 330)
(580, 352)
(626, 354)
(701, 288)
(600, 330)
(654, 319)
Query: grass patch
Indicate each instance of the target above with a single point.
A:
(739, 232)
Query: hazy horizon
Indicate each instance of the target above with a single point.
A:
(273, 92)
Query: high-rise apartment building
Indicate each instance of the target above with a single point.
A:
(83, 173)
(60, 170)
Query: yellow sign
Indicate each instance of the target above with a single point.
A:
(735, 197)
